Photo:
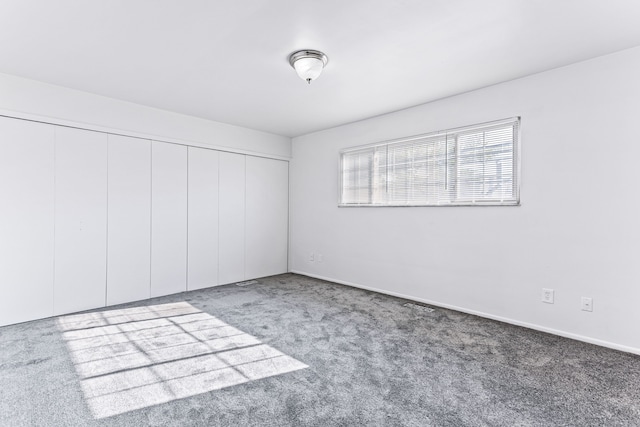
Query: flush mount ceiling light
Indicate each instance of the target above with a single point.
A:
(308, 63)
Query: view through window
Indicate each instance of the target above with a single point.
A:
(466, 166)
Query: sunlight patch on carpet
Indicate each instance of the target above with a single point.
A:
(133, 358)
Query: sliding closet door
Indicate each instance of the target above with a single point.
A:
(26, 220)
(168, 218)
(267, 207)
(232, 209)
(80, 220)
(129, 217)
(203, 218)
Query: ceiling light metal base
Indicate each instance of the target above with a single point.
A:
(308, 53)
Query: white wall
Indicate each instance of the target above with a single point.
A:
(26, 98)
(577, 230)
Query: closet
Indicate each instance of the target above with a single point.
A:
(91, 219)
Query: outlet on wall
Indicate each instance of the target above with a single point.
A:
(587, 304)
(312, 257)
(547, 295)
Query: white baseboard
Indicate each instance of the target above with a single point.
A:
(552, 331)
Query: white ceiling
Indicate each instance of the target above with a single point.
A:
(226, 60)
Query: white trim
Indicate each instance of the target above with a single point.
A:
(114, 131)
(479, 126)
(533, 326)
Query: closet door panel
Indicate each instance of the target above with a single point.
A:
(267, 207)
(129, 219)
(232, 212)
(80, 220)
(203, 218)
(168, 218)
(26, 220)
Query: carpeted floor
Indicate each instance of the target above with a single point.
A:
(290, 350)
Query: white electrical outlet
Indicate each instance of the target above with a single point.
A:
(547, 295)
(587, 304)
(312, 257)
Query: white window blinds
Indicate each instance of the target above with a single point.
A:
(466, 166)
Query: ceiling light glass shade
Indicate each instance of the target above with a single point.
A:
(308, 68)
(308, 63)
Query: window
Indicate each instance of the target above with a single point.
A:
(474, 165)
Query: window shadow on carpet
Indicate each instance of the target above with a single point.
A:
(133, 358)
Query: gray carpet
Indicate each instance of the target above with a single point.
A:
(290, 350)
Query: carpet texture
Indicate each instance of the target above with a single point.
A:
(294, 351)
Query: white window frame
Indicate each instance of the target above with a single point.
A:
(513, 201)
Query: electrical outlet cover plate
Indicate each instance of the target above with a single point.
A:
(547, 295)
(587, 304)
